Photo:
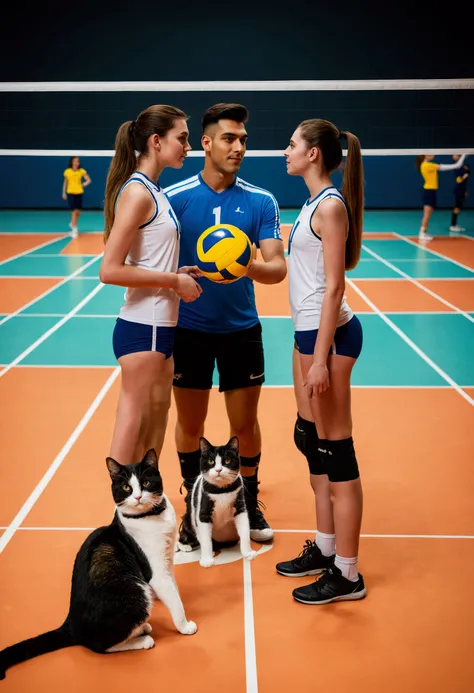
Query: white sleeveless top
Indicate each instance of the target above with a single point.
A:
(307, 281)
(156, 247)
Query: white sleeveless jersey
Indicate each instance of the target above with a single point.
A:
(156, 247)
(307, 281)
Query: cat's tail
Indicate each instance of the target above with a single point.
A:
(33, 647)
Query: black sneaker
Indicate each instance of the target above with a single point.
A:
(260, 530)
(309, 562)
(331, 587)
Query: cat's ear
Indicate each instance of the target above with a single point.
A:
(115, 469)
(150, 459)
(204, 446)
(233, 444)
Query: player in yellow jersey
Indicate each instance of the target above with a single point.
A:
(75, 180)
(429, 170)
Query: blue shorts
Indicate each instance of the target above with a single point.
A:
(74, 201)
(132, 337)
(429, 198)
(347, 340)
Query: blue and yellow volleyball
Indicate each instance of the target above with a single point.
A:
(224, 253)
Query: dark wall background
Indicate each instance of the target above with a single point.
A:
(233, 41)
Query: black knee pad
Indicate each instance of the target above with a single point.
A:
(307, 441)
(339, 459)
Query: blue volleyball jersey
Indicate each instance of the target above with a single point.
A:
(221, 307)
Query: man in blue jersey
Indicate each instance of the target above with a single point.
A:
(222, 327)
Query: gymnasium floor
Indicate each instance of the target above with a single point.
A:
(413, 412)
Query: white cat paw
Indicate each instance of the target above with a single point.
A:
(147, 628)
(148, 642)
(206, 562)
(250, 555)
(183, 547)
(189, 629)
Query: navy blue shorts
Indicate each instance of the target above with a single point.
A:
(347, 340)
(132, 337)
(74, 201)
(429, 198)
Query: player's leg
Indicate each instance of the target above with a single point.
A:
(241, 366)
(316, 555)
(423, 234)
(193, 368)
(458, 203)
(145, 391)
(332, 413)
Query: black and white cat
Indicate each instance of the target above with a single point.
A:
(215, 510)
(118, 572)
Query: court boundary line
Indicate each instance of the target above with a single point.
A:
(414, 281)
(249, 631)
(264, 386)
(277, 531)
(51, 330)
(434, 252)
(32, 250)
(63, 281)
(262, 317)
(58, 460)
(414, 346)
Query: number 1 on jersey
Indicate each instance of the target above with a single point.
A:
(217, 214)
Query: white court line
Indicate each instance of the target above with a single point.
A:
(434, 252)
(267, 387)
(266, 317)
(53, 288)
(53, 468)
(51, 330)
(417, 283)
(31, 250)
(68, 255)
(277, 531)
(367, 536)
(49, 276)
(412, 344)
(249, 630)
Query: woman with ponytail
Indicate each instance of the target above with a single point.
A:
(325, 241)
(429, 171)
(141, 253)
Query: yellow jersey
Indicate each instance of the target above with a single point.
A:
(74, 181)
(429, 171)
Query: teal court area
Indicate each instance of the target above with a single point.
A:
(400, 346)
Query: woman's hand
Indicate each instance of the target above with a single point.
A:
(193, 271)
(187, 289)
(317, 380)
(64, 196)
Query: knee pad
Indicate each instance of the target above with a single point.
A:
(307, 441)
(339, 459)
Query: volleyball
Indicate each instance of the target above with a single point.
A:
(224, 253)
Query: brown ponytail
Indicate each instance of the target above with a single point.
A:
(132, 137)
(419, 160)
(326, 137)
(121, 168)
(353, 193)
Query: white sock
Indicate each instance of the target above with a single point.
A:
(422, 230)
(326, 543)
(348, 567)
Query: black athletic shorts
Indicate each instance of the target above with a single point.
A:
(238, 356)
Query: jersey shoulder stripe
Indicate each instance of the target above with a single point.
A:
(183, 188)
(181, 183)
